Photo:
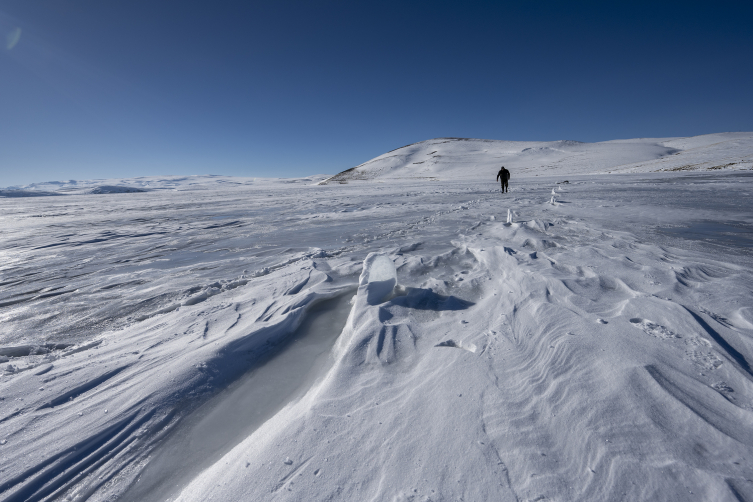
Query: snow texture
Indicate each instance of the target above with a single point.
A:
(399, 335)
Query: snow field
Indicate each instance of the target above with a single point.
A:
(577, 351)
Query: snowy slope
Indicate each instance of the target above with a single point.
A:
(458, 158)
(153, 345)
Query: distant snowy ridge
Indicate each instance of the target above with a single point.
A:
(145, 184)
(464, 158)
(101, 189)
(25, 193)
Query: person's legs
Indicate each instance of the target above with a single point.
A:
(504, 186)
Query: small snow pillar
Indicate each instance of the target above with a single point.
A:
(552, 200)
(509, 216)
(378, 277)
(553, 192)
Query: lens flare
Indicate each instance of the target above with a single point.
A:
(12, 38)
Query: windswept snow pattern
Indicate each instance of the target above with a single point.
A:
(563, 341)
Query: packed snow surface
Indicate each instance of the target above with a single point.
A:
(582, 337)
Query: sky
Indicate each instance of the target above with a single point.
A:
(123, 88)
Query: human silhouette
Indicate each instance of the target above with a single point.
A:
(503, 175)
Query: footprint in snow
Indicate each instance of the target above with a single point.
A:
(653, 329)
(697, 349)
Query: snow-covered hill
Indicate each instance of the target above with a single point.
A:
(460, 158)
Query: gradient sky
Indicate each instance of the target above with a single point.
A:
(121, 88)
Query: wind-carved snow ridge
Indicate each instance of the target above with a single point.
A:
(120, 411)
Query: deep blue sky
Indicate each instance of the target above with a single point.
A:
(118, 88)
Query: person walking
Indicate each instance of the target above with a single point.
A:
(503, 175)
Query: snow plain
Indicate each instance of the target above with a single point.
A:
(216, 338)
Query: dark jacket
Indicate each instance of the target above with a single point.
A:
(504, 174)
